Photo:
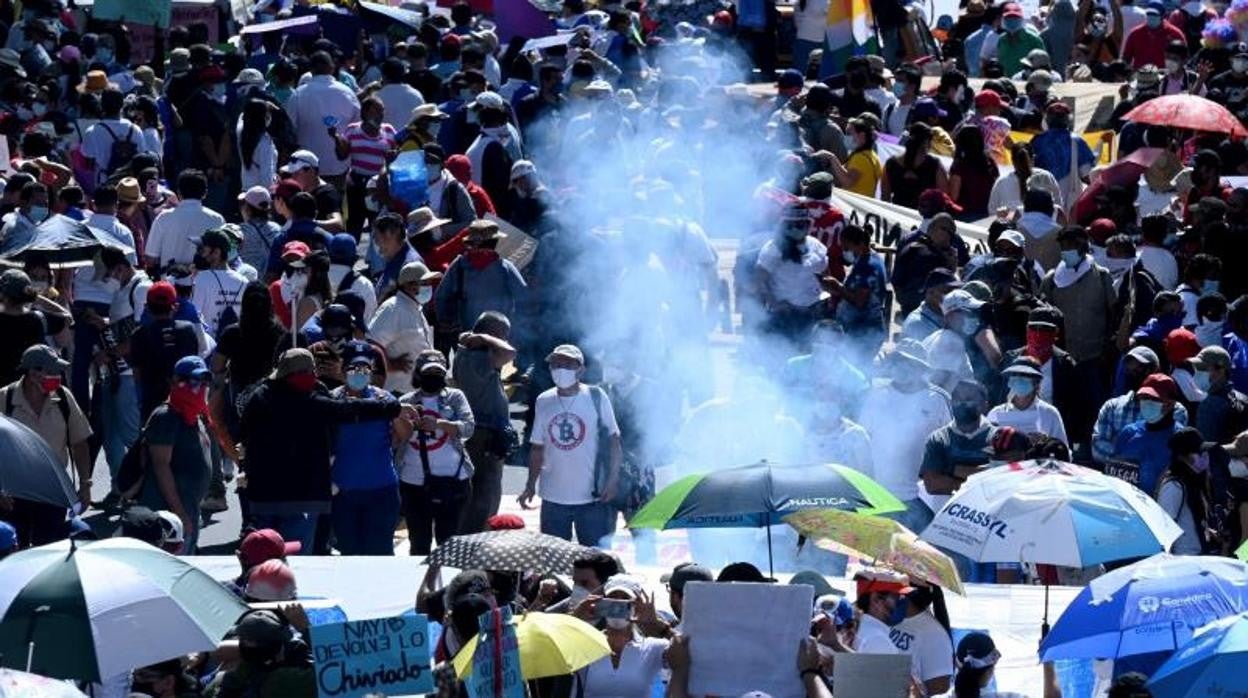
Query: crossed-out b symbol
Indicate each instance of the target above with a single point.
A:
(566, 431)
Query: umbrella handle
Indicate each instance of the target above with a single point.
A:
(30, 655)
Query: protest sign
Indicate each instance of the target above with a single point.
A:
(388, 656)
(883, 675)
(745, 637)
(155, 13)
(518, 247)
(496, 661)
(882, 217)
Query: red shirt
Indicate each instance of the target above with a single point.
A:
(1145, 46)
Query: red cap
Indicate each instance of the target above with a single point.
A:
(1012, 9)
(723, 18)
(987, 99)
(265, 544)
(162, 295)
(460, 168)
(286, 190)
(938, 201)
(212, 74)
(1180, 346)
(504, 522)
(1101, 230)
(877, 580)
(1058, 107)
(271, 580)
(1158, 386)
(296, 249)
(450, 39)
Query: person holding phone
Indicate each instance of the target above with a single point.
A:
(635, 660)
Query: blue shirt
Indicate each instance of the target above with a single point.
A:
(363, 458)
(1238, 349)
(1052, 149)
(868, 273)
(1147, 447)
(973, 47)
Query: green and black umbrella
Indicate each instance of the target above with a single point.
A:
(93, 610)
(762, 494)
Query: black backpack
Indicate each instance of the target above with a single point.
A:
(121, 152)
(62, 402)
(133, 467)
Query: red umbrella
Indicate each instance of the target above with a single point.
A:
(1124, 171)
(1189, 112)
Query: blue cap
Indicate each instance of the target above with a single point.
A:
(926, 108)
(359, 351)
(191, 367)
(8, 537)
(342, 249)
(790, 78)
(1155, 6)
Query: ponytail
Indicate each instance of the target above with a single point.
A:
(966, 683)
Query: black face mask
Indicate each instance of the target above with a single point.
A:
(965, 412)
(258, 655)
(432, 382)
(200, 261)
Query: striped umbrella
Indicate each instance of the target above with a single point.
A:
(95, 610)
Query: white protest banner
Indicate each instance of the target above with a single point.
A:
(387, 656)
(546, 42)
(496, 660)
(882, 216)
(877, 675)
(744, 637)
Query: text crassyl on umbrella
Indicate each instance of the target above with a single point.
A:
(977, 517)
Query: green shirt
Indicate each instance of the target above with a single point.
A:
(1013, 48)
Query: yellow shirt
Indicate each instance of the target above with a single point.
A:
(942, 144)
(867, 164)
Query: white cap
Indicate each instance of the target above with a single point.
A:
(174, 533)
(959, 300)
(1013, 237)
(249, 76)
(521, 168)
(488, 100)
(301, 160)
(257, 197)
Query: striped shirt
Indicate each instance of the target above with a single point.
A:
(368, 153)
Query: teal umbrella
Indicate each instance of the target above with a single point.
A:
(96, 610)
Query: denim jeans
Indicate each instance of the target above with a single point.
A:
(299, 527)
(86, 339)
(119, 418)
(364, 521)
(593, 521)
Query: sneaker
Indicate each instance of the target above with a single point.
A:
(213, 505)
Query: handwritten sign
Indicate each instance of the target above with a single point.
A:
(883, 675)
(1123, 470)
(388, 656)
(496, 661)
(518, 247)
(150, 12)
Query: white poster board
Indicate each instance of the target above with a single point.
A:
(877, 675)
(744, 637)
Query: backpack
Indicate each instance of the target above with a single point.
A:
(62, 402)
(634, 486)
(133, 469)
(348, 280)
(120, 153)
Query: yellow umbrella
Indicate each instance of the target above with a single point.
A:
(883, 540)
(550, 644)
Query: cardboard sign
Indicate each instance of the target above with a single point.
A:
(1123, 470)
(883, 675)
(518, 247)
(155, 13)
(745, 637)
(387, 656)
(496, 661)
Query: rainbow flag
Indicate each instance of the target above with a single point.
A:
(851, 32)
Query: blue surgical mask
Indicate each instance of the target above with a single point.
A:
(1208, 287)
(1209, 333)
(899, 612)
(970, 325)
(849, 257)
(357, 380)
(1154, 21)
(1072, 258)
(38, 214)
(1013, 24)
(1202, 380)
(899, 89)
(1151, 411)
(1021, 386)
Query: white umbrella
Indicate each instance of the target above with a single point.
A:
(95, 610)
(19, 684)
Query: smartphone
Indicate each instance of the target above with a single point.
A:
(330, 121)
(607, 609)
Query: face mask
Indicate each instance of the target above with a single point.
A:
(850, 143)
(1118, 266)
(1154, 21)
(1021, 386)
(357, 380)
(563, 377)
(39, 108)
(302, 382)
(849, 257)
(432, 382)
(104, 55)
(1193, 8)
(200, 262)
(434, 128)
(1151, 411)
(295, 283)
(1209, 334)
(899, 90)
(424, 295)
(619, 623)
(1208, 287)
(1013, 25)
(1173, 66)
(965, 412)
(49, 384)
(899, 612)
(435, 172)
(1202, 380)
(218, 92)
(38, 214)
(1201, 463)
(1072, 258)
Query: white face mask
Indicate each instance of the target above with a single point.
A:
(424, 295)
(1173, 66)
(618, 623)
(434, 127)
(563, 377)
(293, 285)
(1209, 333)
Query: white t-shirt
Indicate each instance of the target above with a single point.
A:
(946, 351)
(812, 22)
(1170, 497)
(567, 429)
(1190, 297)
(215, 290)
(97, 143)
(121, 307)
(1159, 262)
(640, 663)
(791, 282)
(873, 637)
(444, 457)
(1040, 418)
(927, 643)
(899, 424)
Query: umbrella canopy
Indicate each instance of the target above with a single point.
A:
(761, 494)
(509, 551)
(64, 241)
(1053, 513)
(19, 684)
(1151, 606)
(883, 540)
(1187, 111)
(29, 469)
(77, 612)
(1210, 665)
(550, 644)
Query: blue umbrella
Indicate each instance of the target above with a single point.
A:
(1212, 664)
(1151, 606)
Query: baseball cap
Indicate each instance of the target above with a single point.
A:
(959, 299)
(628, 584)
(1013, 237)
(302, 160)
(1144, 355)
(293, 361)
(1154, 8)
(294, 252)
(257, 197)
(432, 360)
(1023, 367)
(874, 580)
(261, 629)
(8, 537)
(263, 545)
(1212, 356)
(162, 295)
(684, 573)
(988, 98)
(249, 76)
(813, 579)
(1158, 386)
(570, 351)
(414, 272)
(141, 523)
(15, 283)
(271, 580)
(358, 351)
(342, 249)
(941, 277)
(286, 190)
(521, 168)
(191, 367)
(741, 572)
(488, 100)
(41, 357)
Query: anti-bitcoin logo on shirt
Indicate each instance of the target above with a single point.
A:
(566, 431)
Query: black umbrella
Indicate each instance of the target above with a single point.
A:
(29, 470)
(63, 241)
(509, 551)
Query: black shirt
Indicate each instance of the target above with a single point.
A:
(154, 349)
(252, 355)
(17, 334)
(328, 200)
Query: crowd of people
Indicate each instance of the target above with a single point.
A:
(300, 297)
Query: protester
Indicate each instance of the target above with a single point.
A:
(400, 325)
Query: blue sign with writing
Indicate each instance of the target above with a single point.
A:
(387, 656)
(496, 661)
